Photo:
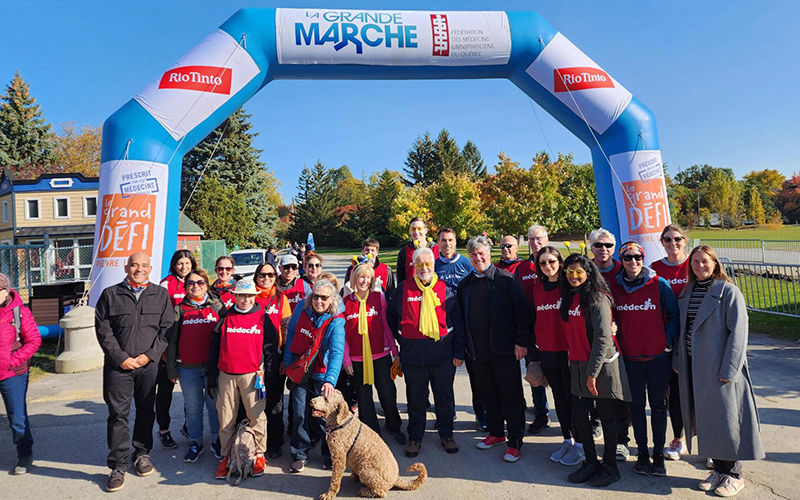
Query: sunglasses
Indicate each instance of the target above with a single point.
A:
(323, 298)
(667, 239)
(574, 272)
(314, 265)
(627, 258)
(291, 267)
(601, 245)
(507, 245)
(198, 283)
(229, 269)
(423, 265)
(266, 275)
(551, 262)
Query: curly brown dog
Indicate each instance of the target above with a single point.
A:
(355, 445)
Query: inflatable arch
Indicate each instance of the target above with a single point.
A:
(145, 140)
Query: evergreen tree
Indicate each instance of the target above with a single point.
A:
(474, 160)
(384, 188)
(317, 208)
(448, 156)
(420, 165)
(26, 139)
(235, 164)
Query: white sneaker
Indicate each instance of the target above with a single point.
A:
(709, 463)
(675, 450)
(574, 456)
(565, 447)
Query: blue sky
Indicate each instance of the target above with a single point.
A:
(721, 78)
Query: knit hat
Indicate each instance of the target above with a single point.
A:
(631, 245)
(5, 283)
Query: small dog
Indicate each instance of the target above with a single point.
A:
(355, 445)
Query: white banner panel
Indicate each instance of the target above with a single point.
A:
(580, 83)
(132, 202)
(198, 84)
(641, 195)
(392, 38)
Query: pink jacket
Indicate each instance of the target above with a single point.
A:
(29, 336)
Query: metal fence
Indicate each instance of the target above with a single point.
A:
(767, 287)
(30, 265)
(209, 251)
(778, 251)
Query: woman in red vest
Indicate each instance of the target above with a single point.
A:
(646, 313)
(226, 280)
(244, 350)
(181, 264)
(368, 351)
(312, 267)
(675, 269)
(189, 344)
(551, 349)
(595, 371)
(272, 300)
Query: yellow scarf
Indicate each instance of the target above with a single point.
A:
(428, 321)
(363, 330)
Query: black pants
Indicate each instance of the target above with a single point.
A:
(622, 410)
(674, 406)
(274, 384)
(478, 406)
(501, 386)
(648, 380)
(440, 378)
(347, 386)
(728, 467)
(387, 395)
(559, 380)
(164, 388)
(119, 388)
(606, 409)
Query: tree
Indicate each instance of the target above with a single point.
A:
(578, 196)
(78, 151)
(221, 212)
(448, 156)
(696, 175)
(420, 165)
(235, 163)
(474, 160)
(755, 210)
(455, 202)
(788, 199)
(317, 206)
(768, 183)
(683, 208)
(383, 190)
(410, 203)
(26, 139)
(722, 194)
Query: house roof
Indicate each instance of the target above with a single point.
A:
(187, 227)
(73, 230)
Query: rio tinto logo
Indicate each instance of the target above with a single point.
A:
(441, 35)
(202, 78)
(580, 78)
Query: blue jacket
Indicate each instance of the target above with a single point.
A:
(331, 349)
(452, 271)
(669, 303)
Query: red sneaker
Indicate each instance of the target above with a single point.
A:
(490, 441)
(259, 466)
(512, 454)
(222, 471)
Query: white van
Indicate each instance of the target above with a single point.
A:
(246, 261)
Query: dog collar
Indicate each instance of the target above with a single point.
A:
(342, 425)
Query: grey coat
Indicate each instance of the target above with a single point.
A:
(604, 360)
(723, 416)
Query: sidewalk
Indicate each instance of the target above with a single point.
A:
(68, 418)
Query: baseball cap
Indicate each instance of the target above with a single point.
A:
(287, 260)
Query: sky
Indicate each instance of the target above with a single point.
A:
(720, 77)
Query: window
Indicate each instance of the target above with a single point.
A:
(5, 211)
(90, 206)
(32, 209)
(61, 208)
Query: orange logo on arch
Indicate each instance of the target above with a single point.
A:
(646, 207)
(127, 225)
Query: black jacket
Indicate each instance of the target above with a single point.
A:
(174, 333)
(510, 316)
(127, 327)
(428, 352)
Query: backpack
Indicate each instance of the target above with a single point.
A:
(17, 345)
(243, 453)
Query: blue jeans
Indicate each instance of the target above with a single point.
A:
(302, 421)
(14, 391)
(195, 386)
(650, 377)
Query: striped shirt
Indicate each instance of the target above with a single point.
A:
(698, 294)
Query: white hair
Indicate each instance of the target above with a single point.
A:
(479, 241)
(535, 229)
(419, 252)
(598, 233)
(336, 303)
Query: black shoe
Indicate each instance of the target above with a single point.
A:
(276, 453)
(195, 450)
(483, 426)
(400, 438)
(658, 468)
(143, 465)
(538, 425)
(24, 465)
(605, 476)
(216, 447)
(327, 464)
(412, 450)
(642, 464)
(116, 480)
(167, 441)
(585, 473)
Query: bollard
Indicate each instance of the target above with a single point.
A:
(81, 350)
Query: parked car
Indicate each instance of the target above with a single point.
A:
(246, 261)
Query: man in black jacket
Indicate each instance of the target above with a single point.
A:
(131, 320)
(497, 330)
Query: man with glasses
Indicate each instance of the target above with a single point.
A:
(293, 287)
(383, 273)
(426, 320)
(418, 232)
(131, 320)
(508, 254)
(603, 242)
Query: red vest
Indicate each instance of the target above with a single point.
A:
(241, 343)
(526, 273)
(508, 267)
(273, 308)
(677, 276)
(354, 341)
(296, 293)
(382, 272)
(412, 302)
(175, 289)
(640, 319)
(611, 275)
(304, 336)
(197, 325)
(575, 329)
(549, 327)
(409, 253)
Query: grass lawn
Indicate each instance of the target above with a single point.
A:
(779, 327)
(44, 361)
(750, 233)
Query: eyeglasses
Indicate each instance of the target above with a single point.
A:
(628, 257)
(507, 245)
(574, 272)
(266, 275)
(323, 298)
(292, 267)
(667, 239)
(423, 265)
(198, 283)
(314, 265)
(220, 268)
(601, 245)
(551, 262)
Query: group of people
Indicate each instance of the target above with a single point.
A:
(609, 335)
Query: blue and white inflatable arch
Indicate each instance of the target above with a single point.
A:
(145, 140)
